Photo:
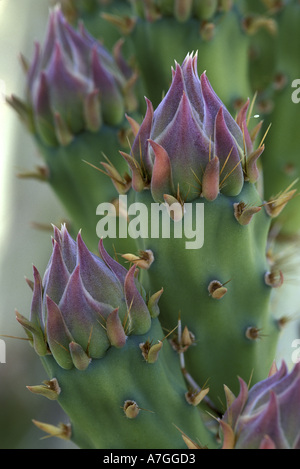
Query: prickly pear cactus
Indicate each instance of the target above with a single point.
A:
(164, 31)
(94, 13)
(108, 363)
(281, 159)
(138, 357)
(77, 96)
(191, 152)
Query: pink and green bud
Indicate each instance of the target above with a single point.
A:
(75, 84)
(84, 305)
(267, 416)
(191, 144)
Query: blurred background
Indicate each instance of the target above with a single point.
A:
(23, 205)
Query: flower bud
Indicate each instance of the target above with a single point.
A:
(84, 304)
(266, 416)
(74, 83)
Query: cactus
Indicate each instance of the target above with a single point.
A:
(279, 99)
(105, 353)
(138, 358)
(77, 95)
(191, 151)
(266, 416)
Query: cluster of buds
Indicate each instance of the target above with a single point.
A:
(84, 304)
(267, 416)
(74, 84)
(192, 141)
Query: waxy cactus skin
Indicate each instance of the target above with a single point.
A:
(94, 399)
(92, 13)
(236, 228)
(165, 38)
(281, 159)
(234, 255)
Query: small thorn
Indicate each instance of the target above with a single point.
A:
(244, 213)
(211, 180)
(62, 431)
(143, 260)
(30, 283)
(207, 31)
(49, 389)
(175, 207)
(23, 111)
(124, 24)
(187, 440)
(276, 204)
(195, 397)
(24, 63)
(150, 352)
(139, 181)
(255, 131)
(251, 171)
(115, 330)
(230, 397)
(253, 24)
(122, 184)
(131, 409)
(253, 333)
(283, 321)
(186, 340)
(274, 278)
(273, 369)
(63, 134)
(41, 173)
(135, 126)
(216, 289)
(153, 303)
(80, 359)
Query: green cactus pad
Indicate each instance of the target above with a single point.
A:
(80, 186)
(153, 393)
(234, 331)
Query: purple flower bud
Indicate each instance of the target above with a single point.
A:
(267, 416)
(190, 130)
(84, 304)
(74, 83)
